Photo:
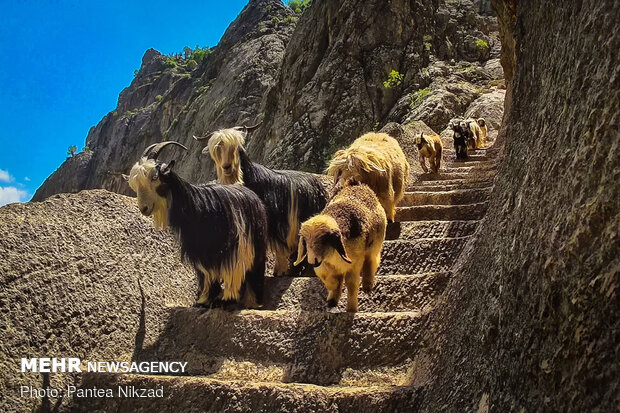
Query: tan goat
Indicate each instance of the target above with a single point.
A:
(377, 160)
(344, 242)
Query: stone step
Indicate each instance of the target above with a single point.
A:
(391, 293)
(450, 184)
(469, 165)
(316, 346)
(412, 230)
(454, 197)
(451, 175)
(441, 212)
(450, 156)
(199, 394)
(420, 255)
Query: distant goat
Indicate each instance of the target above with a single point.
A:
(344, 242)
(290, 197)
(484, 131)
(462, 134)
(473, 130)
(430, 147)
(377, 160)
(221, 229)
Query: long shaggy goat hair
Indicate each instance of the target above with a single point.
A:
(221, 229)
(377, 160)
(290, 197)
(344, 242)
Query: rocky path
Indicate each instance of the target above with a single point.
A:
(294, 355)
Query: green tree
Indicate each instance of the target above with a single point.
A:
(71, 151)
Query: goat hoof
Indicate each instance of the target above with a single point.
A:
(332, 303)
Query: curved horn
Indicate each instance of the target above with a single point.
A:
(202, 138)
(248, 129)
(152, 152)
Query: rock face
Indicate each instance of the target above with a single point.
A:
(317, 84)
(331, 86)
(533, 322)
(82, 275)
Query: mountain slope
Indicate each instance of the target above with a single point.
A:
(316, 83)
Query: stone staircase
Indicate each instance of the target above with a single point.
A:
(294, 354)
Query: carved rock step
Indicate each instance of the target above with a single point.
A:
(441, 212)
(391, 293)
(450, 185)
(318, 346)
(450, 156)
(198, 394)
(454, 197)
(445, 175)
(412, 230)
(420, 255)
(469, 165)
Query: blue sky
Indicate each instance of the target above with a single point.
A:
(63, 64)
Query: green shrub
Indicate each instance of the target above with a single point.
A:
(86, 149)
(418, 96)
(71, 151)
(159, 98)
(394, 79)
(128, 113)
(136, 73)
(261, 25)
(170, 63)
(268, 9)
(199, 54)
(482, 45)
(299, 6)
(291, 19)
(275, 21)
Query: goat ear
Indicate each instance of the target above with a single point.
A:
(166, 168)
(301, 251)
(335, 240)
(125, 177)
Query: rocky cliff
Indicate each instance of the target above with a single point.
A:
(316, 81)
(533, 323)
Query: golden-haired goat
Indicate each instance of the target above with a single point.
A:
(377, 160)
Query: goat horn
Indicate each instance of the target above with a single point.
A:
(247, 129)
(152, 152)
(202, 138)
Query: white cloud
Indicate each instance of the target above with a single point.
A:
(5, 176)
(27, 179)
(10, 194)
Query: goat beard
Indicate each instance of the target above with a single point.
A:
(235, 178)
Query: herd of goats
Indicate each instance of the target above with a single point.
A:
(224, 229)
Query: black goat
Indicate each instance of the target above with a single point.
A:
(290, 197)
(222, 229)
(462, 134)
